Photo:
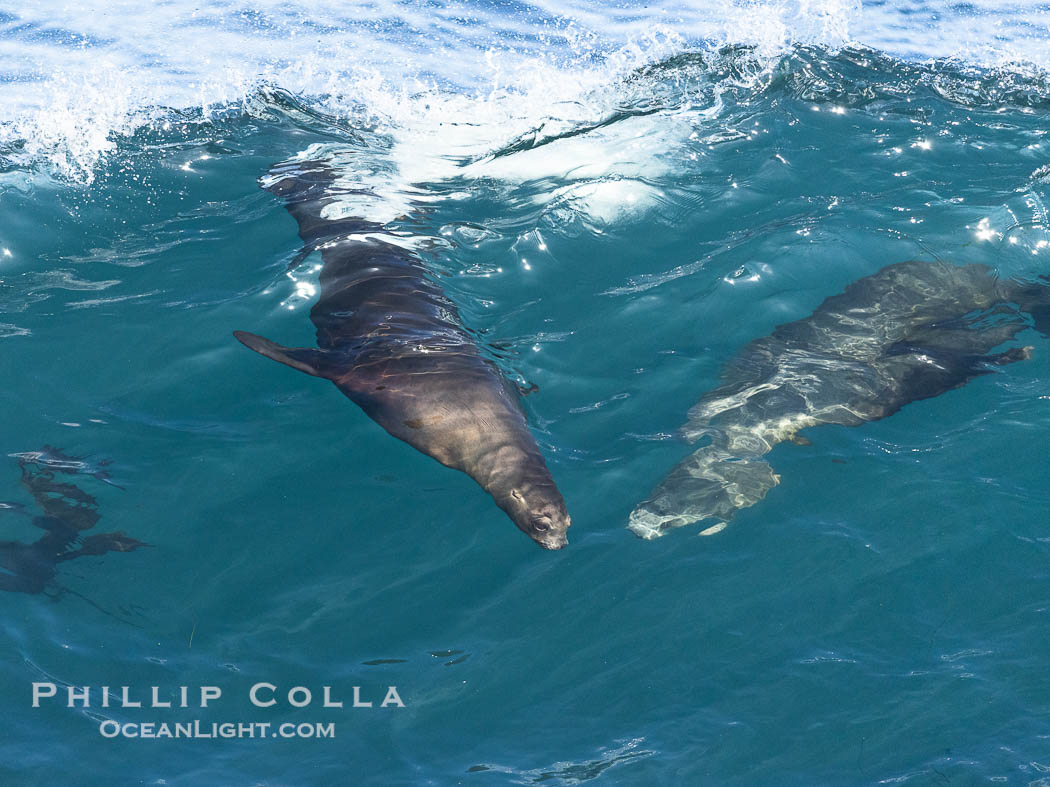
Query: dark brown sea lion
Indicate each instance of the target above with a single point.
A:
(392, 342)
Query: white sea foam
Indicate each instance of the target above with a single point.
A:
(454, 82)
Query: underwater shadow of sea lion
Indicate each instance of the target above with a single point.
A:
(912, 331)
(392, 342)
(66, 512)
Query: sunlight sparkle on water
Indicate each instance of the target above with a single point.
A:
(984, 230)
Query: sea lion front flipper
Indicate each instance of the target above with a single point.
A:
(305, 359)
(1012, 355)
(102, 543)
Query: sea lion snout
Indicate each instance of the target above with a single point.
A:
(549, 536)
(540, 513)
(555, 542)
(548, 529)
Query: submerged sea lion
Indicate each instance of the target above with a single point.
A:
(911, 331)
(52, 458)
(66, 512)
(392, 342)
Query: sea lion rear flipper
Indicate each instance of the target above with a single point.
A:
(1041, 318)
(305, 359)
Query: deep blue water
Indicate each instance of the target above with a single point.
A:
(617, 202)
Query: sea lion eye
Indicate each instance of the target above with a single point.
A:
(540, 526)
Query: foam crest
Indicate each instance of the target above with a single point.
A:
(453, 85)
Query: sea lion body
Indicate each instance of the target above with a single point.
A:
(391, 341)
(911, 331)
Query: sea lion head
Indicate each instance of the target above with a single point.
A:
(539, 511)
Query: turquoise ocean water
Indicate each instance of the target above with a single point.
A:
(617, 201)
